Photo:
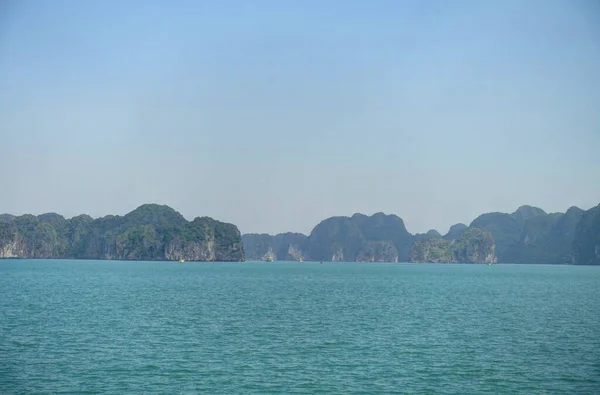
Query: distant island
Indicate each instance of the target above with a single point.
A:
(151, 232)
(159, 233)
(528, 235)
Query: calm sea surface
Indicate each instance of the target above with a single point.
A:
(87, 327)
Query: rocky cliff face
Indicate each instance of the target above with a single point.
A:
(26, 236)
(295, 252)
(376, 238)
(281, 247)
(151, 232)
(530, 235)
(378, 251)
(586, 243)
(379, 237)
(474, 246)
(11, 243)
(505, 230)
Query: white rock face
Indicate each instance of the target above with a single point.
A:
(270, 255)
(195, 251)
(14, 249)
(338, 256)
(295, 252)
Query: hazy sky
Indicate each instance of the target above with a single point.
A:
(276, 114)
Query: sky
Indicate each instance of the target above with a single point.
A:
(275, 115)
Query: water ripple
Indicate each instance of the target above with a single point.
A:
(255, 328)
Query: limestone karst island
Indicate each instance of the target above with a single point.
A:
(159, 233)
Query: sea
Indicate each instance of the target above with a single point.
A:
(110, 327)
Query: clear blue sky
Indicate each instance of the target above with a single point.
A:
(274, 115)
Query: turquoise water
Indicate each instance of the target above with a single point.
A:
(86, 327)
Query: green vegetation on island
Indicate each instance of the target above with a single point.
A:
(473, 246)
(154, 232)
(529, 235)
(376, 238)
(150, 232)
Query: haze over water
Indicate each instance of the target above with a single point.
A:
(164, 327)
